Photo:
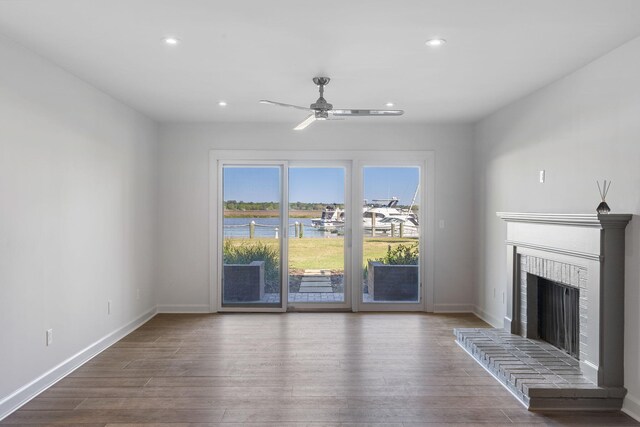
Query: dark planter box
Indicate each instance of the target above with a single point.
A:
(393, 282)
(243, 282)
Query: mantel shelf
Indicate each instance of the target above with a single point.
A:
(579, 220)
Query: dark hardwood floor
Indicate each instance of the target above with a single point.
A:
(318, 369)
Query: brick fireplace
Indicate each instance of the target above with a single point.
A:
(584, 254)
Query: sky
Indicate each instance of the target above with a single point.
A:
(388, 182)
(317, 185)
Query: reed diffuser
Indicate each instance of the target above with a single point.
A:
(603, 207)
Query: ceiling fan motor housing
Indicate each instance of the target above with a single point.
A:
(321, 105)
(321, 81)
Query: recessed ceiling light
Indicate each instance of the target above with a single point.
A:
(171, 41)
(435, 42)
(389, 104)
(222, 103)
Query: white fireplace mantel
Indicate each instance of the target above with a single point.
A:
(579, 220)
(563, 244)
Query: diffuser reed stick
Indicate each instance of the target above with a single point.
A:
(603, 207)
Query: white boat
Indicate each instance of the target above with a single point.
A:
(384, 216)
(383, 208)
(332, 217)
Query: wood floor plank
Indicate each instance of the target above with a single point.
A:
(158, 392)
(53, 404)
(259, 402)
(433, 415)
(103, 382)
(276, 424)
(115, 416)
(262, 381)
(448, 390)
(399, 402)
(279, 415)
(286, 370)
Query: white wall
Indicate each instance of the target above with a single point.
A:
(184, 196)
(77, 209)
(582, 128)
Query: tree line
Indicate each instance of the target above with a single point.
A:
(234, 205)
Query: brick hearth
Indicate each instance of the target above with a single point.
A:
(536, 372)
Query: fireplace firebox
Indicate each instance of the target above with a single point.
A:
(558, 319)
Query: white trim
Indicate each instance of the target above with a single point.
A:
(284, 236)
(493, 321)
(357, 197)
(580, 220)
(215, 176)
(454, 308)
(631, 406)
(429, 238)
(559, 251)
(183, 308)
(24, 394)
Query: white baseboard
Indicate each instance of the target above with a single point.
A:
(493, 321)
(24, 394)
(631, 406)
(453, 308)
(183, 308)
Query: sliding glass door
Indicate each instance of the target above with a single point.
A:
(252, 230)
(391, 234)
(317, 223)
(322, 234)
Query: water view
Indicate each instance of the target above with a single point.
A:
(266, 227)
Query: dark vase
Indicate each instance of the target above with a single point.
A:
(603, 208)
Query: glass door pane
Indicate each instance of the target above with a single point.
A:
(252, 227)
(316, 235)
(391, 235)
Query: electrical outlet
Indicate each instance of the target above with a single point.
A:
(441, 223)
(503, 297)
(49, 337)
(109, 307)
(542, 176)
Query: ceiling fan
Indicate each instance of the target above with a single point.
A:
(322, 110)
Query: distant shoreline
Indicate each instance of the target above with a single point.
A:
(270, 214)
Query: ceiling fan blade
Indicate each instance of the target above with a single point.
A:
(280, 104)
(306, 122)
(356, 113)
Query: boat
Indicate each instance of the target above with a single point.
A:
(384, 215)
(331, 218)
(383, 208)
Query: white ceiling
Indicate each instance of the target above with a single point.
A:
(241, 51)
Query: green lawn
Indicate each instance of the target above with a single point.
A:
(317, 253)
